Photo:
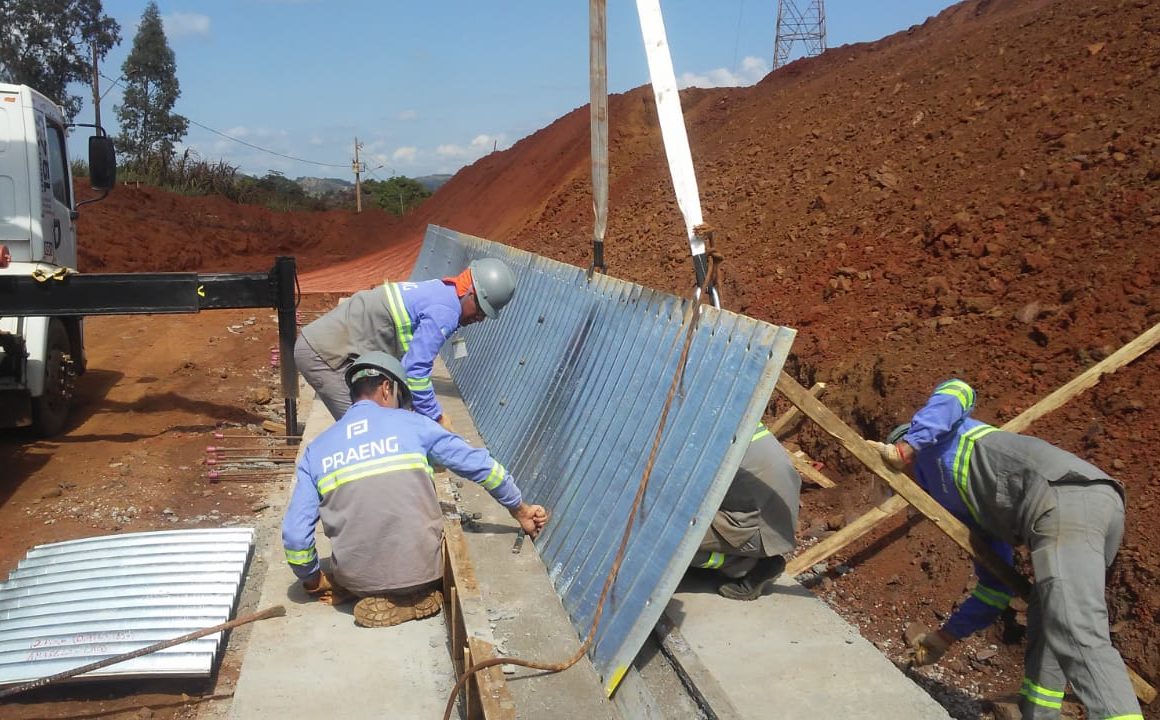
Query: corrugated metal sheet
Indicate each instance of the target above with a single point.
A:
(72, 603)
(567, 390)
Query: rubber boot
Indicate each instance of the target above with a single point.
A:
(757, 582)
(385, 610)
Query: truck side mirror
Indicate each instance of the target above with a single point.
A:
(102, 162)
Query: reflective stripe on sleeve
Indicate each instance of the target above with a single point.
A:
(960, 390)
(994, 598)
(418, 384)
(403, 330)
(377, 466)
(302, 557)
(494, 478)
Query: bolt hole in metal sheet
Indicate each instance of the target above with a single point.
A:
(567, 387)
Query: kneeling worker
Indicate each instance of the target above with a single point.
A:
(369, 479)
(754, 527)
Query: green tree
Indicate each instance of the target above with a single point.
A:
(149, 127)
(398, 194)
(48, 44)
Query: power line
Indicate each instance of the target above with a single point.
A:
(238, 140)
(262, 149)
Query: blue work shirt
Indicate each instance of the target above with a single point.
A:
(942, 434)
(368, 479)
(426, 314)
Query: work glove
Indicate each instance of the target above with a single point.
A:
(896, 455)
(929, 648)
(327, 591)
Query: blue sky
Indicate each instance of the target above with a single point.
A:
(431, 86)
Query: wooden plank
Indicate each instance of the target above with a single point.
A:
(790, 417)
(917, 497)
(863, 524)
(697, 678)
(1087, 379)
(806, 469)
(900, 483)
(487, 693)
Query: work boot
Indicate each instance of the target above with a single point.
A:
(385, 610)
(757, 582)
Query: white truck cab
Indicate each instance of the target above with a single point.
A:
(40, 357)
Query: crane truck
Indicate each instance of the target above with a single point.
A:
(44, 300)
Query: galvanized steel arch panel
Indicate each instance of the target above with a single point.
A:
(68, 604)
(567, 387)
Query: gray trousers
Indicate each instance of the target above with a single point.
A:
(715, 553)
(328, 383)
(1072, 545)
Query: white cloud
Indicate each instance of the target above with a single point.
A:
(408, 115)
(405, 154)
(750, 71)
(179, 24)
(479, 146)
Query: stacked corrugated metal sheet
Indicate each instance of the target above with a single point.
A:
(72, 603)
(567, 389)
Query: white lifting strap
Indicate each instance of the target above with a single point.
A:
(676, 140)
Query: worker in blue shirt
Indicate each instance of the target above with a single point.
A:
(368, 478)
(409, 320)
(1015, 489)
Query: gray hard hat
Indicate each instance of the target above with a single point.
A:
(897, 433)
(377, 363)
(494, 283)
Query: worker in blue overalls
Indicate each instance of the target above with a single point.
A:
(1015, 489)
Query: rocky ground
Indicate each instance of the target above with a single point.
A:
(978, 196)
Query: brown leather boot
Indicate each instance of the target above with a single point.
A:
(389, 609)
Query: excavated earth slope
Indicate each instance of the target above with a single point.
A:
(978, 196)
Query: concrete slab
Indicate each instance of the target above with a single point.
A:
(316, 663)
(789, 655)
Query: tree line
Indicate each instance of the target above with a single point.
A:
(52, 44)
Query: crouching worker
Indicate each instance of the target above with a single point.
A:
(369, 479)
(1014, 489)
(754, 527)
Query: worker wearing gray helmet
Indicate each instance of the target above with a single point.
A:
(410, 320)
(367, 478)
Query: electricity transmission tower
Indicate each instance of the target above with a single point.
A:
(794, 24)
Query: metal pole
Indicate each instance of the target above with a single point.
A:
(357, 180)
(276, 611)
(286, 285)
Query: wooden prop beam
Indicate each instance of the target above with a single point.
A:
(866, 522)
(1086, 379)
(790, 417)
(806, 469)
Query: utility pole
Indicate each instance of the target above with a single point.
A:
(794, 24)
(357, 167)
(96, 87)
